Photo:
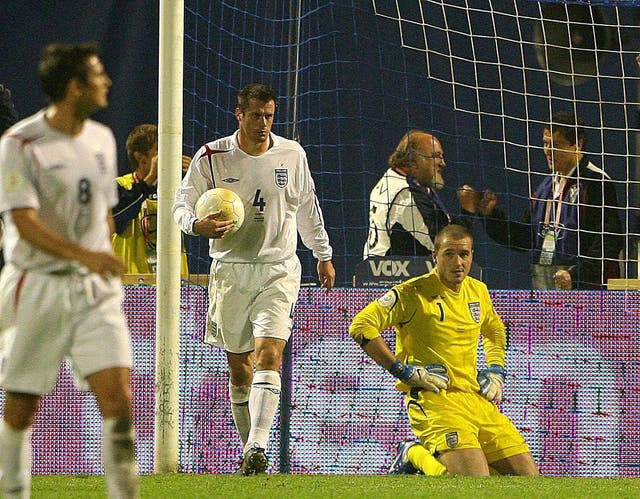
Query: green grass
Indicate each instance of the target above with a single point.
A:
(343, 486)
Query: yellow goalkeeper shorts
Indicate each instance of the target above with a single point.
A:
(460, 420)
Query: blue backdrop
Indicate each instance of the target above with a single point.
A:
(359, 92)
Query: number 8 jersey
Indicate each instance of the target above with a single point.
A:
(69, 180)
(278, 195)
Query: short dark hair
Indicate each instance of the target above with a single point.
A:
(257, 91)
(60, 63)
(569, 126)
(453, 231)
(141, 139)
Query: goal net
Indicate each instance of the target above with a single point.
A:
(484, 76)
(510, 66)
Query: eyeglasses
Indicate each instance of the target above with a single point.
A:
(426, 156)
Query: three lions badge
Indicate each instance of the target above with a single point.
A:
(281, 177)
(474, 308)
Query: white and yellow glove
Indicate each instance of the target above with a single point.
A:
(491, 381)
(432, 377)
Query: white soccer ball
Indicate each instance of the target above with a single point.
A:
(228, 202)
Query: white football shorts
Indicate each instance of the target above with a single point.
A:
(251, 300)
(58, 316)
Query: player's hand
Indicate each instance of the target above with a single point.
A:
(152, 177)
(491, 381)
(432, 377)
(326, 274)
(211, 227)
(103, 263)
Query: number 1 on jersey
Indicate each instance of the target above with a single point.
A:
(258, 201)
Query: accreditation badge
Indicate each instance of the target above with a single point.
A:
(548, 247)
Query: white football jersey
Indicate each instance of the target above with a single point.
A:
(391, 203)
(68, 179)
(278, 194)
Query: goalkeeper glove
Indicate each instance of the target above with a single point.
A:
(432, 377)
(491, 380)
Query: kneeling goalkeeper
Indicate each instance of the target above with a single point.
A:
(438, 318)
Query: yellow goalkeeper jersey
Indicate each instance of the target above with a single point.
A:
(133, 245)
(435, 325)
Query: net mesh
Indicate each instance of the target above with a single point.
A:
(484, 76)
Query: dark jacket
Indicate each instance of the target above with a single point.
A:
(589, 233)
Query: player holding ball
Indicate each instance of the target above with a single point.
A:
(255, 272)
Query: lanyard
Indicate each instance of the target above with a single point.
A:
(551, 202)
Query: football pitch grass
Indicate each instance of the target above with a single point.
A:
(342, 486)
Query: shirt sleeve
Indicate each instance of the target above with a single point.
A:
(196, 181)
(129, 203)
(309, 217)
(379, 315)
(17, 189)
(494, 337)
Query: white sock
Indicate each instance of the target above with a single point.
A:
(239, 396)
(263, 404)
(15, 462)
(118, 453)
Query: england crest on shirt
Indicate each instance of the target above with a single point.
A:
(282, 177)
(474, 308)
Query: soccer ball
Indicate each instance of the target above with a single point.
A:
(224, 200)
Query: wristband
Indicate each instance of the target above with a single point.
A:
(399, 370)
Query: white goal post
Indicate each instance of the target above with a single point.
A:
(168, 269)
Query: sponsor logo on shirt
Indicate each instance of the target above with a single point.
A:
(230, 180)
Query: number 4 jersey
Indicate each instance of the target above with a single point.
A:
(69, 180)
(278, 195)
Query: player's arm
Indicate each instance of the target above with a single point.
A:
(129, 203)
(365, 330)
(326, 274)
(37, 234)
(494, 337)
(491, 378)
(309, 220)
(195, 182)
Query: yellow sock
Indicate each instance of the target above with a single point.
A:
(422, 459)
